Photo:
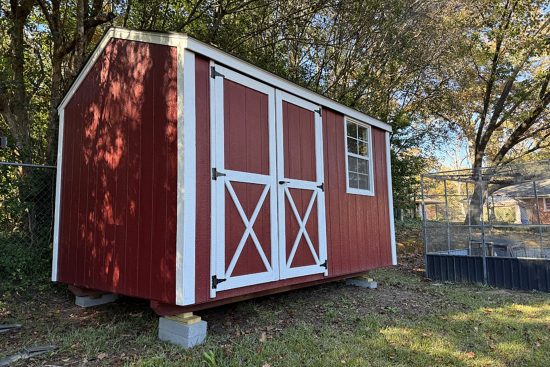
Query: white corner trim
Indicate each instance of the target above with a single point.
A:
(390, 201)
(187, 179)
(57, 210)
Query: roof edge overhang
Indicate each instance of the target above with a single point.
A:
(221, 57)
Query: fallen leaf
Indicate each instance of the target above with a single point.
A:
(470, 354)
(101, 356)
(263, 337)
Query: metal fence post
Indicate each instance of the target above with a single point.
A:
(447, 217)
(537, 206)
(483, 243)
(424, 222)
(469, 215)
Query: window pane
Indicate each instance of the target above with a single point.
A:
(362, 166)
(352, 146)
(363, 133)
(364, 182)
(352, 130)
(353, 180)
(363, 148)
(352, 164)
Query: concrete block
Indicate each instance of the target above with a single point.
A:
(88, 301)
(363, 282)
(186, 335)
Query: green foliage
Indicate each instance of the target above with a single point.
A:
(23, 264)
(26, 215)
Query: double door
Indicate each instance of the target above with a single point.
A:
(268, 210)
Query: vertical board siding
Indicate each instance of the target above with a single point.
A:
(118, 196)
(246, 129)
(358, 233)
(203, 189)
(299, 142)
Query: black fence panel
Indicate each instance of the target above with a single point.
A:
(502, 272)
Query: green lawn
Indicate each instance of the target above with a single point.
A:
(407, 321)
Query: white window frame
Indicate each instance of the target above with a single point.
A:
(352, 190)
(546, 204)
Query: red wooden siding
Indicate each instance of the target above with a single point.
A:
(299, 142)
(358, 233)
(358, 229)
(118, 195)
(246, 129)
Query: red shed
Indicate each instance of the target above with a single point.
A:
(191, 178)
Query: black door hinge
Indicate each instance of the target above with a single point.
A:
(216, 281)
(283, 182)
(318, 111)
(214, 73)
(324, 265)
(216, 174)
(322, 186)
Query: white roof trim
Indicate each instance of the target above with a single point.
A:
(221, 57)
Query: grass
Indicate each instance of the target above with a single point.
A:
(407, 321)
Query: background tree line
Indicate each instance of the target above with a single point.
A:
(434, 69)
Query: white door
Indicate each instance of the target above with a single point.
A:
(301, 197)
(244, 182)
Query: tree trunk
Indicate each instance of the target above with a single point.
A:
(18, 106)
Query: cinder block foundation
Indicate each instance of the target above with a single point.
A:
(186, 330)
(363, 282)
(92, 301)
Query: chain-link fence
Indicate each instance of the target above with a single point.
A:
(502, 211)
(27, 195)
(492, 214)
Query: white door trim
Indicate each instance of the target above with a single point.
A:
(318, 195)
(223, 183)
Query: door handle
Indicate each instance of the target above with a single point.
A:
(283, 182)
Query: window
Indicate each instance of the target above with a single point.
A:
(358, 158)
(546, 206)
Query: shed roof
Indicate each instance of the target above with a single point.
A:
(185, 42)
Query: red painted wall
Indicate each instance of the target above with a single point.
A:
(358, 229)
(118, 194)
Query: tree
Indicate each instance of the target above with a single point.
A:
(498, 91)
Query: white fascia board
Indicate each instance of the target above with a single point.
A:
(244, 67)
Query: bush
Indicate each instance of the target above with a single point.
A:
(21, 262)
